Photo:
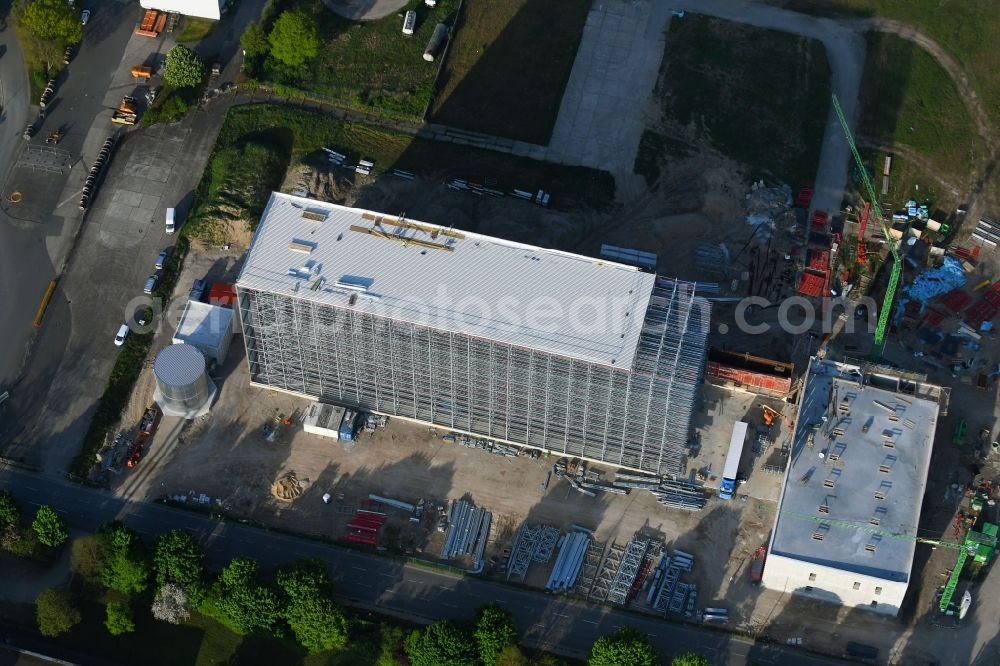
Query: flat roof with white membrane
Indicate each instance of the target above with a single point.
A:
(552, 301)
(852, 498)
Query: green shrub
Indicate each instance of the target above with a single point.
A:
(119, 618)
(50, 527)
(21, 542)
(55, 612)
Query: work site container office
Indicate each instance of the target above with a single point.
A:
(348, 424)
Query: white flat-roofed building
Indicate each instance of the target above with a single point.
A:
(207, 327)
(847, 519)
(537, 347)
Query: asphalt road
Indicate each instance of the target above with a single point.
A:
(392, 587)
(34, 238)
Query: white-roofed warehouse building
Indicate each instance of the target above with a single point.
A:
(846, 528)
(574, 355)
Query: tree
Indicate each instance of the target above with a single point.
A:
(689, 659)
(171, 604)
(119, 618)
(177, 558)
(50, 527)
(10, 512)
(318, 624)
(494, 632)
(55, 612)
(254, 41)
(512, 655)
(249, 605)
(184, 68)
(626, 647)
(294, 38)
(442, 643)
(20, 541)
(126, 568)
(88, 558)
(52, 20)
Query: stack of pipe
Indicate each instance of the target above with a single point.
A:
(567, 566)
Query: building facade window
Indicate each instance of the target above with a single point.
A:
(878, 590)
(857, 585)
(812, 577)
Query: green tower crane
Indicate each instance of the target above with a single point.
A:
(897, 263)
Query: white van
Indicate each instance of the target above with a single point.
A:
(170, 220)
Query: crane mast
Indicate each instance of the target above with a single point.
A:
(897, 262)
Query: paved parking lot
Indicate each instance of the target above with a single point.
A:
(133, 199)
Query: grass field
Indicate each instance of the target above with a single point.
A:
(234, 184)
(968, 30)
(195, 29)
(370, 65)
(759, 96)
(508, 65)
(909, 100)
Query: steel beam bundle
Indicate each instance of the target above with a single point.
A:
(628, 569)
(606, 573)
(588, 570)
(523, 551)
(681, 495)
(468, 527)
(567, 567)
(679, 598)
(484, 536)
(405, 506)
(547, 538)
(667, 583)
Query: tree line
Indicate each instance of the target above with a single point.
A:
(168, 579)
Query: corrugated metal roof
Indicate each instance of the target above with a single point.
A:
(179, 365)
(561, 303)
(204, 324)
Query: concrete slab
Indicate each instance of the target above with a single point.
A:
(149, 201)
(612, 78)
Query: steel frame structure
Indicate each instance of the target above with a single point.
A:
(635, 551)
(636, 417)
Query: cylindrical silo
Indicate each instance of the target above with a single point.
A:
(181, 380)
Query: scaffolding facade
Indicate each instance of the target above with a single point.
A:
(634, 417)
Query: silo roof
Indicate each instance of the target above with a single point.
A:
(179, 365)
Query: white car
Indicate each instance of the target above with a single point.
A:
(123, 332)
(84, 17)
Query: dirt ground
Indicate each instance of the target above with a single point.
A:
(223, 460)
